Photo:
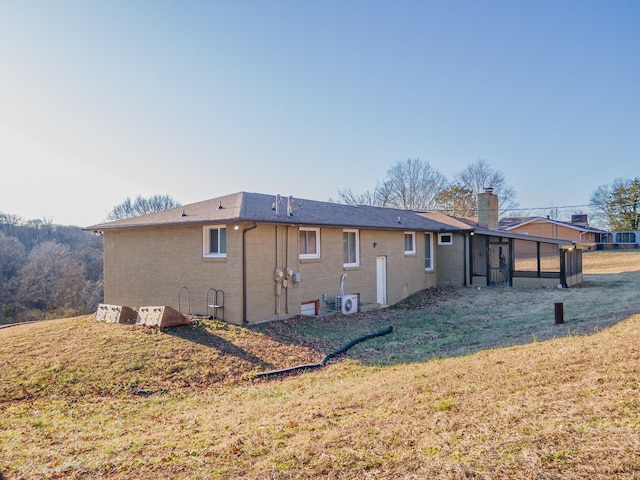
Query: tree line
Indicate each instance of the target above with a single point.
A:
(53, 271)
(47, 270)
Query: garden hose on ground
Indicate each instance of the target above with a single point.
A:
(326, 358)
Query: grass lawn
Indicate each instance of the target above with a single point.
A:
(470, 384)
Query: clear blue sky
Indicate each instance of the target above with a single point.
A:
(104, 100)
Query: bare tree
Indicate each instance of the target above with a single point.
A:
(141, 206)
(478, 176)
(51, 279)
(350, 198)
(12, 258)
(411, 184)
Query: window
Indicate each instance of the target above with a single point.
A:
(409, 243)
(215, 241)
(445, 239)
(309, 243)
(625, 237)
(350, 248)
(428, 251)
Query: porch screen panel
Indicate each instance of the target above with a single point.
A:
(525, 253)
(549, 257)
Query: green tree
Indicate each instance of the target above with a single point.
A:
(456, 200)
(617, 206)
(142, 206)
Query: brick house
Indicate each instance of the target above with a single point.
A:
(577, 230)
(261, 257)
(271, 257)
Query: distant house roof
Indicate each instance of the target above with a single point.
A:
(264, 208)
(506, 233)
(510, 223)
(521, 236)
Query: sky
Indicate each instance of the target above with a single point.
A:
(106, 100)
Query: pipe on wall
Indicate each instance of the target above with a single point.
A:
(244, 271)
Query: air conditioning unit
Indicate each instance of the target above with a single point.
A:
(347, 303)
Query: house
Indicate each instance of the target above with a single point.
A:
(577, 230)
(619, 240)
(249, 257)
(270, 257)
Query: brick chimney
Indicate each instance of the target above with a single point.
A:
(580, 219)
(488, 209)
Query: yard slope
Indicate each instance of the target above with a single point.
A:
(81, 399)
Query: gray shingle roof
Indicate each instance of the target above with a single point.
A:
(258, 207)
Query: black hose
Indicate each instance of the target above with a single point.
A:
(326, 358)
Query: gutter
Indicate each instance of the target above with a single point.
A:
(244, 272)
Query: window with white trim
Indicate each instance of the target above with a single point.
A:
(445, 239)
(409, 243)
(215, 241)
(309, 243)
(428, 251)
(351, 248)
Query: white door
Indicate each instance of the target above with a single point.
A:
(381, 280)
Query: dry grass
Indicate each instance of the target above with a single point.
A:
(83, 399)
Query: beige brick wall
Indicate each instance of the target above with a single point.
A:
(450, 261)
(149, 266)
(405, 274)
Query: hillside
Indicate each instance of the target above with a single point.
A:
(84, 399)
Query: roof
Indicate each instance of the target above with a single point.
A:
(264, 208)
(505, 233)
(522, 236)
(510, 223)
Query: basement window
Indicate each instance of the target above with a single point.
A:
(215, 241)
(445, 239)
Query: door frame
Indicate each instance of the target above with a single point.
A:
(381, 280)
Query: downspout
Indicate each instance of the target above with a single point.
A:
(286, 269)
(244, 272)
(512, 261)
(464, 259)
(470, 259)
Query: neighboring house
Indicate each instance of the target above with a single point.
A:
(262, 257)
(619, 240)
(578, 230)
